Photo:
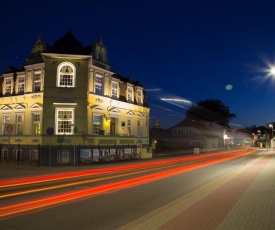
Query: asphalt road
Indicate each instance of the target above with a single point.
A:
(123, 201)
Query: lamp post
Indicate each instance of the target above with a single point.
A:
(74, 130)
(271, 142)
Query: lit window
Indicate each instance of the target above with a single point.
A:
(6, 119)
(64, 121)
(37, 82)
(130, 93)
(21, 84)
(98, 85)
(8, 84)
(97, 124)
(66, 75)
(19, 123)
(114, 89)
(36, 123)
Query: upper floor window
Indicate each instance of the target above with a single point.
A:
(129, 126)
(98, 84)
(6, 119)
(8, 85)
(139, 128)
(139, 96)
(64, 121)
(21, 84)
(36, 123)
(130, 93)
(66, 75)
(19, 123)
(37, 82)
(114, 89)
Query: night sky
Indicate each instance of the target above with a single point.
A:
(185, 50)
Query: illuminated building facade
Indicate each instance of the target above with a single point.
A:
(67, 95)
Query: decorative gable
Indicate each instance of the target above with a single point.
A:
(6, 108)
(36, 106)
(130, 112)
(140, 115)
(96, 107)
(19, 107)
(114, 110)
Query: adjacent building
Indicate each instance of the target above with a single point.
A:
(67, 95)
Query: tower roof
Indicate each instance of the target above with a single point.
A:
(68, 44)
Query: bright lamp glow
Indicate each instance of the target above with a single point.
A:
(272, 70)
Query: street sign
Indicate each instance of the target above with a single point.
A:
(50, 131)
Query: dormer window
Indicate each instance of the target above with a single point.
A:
(8, 84)
(66, 75)
(21, 84)
(37, 82)
(130, 93)
(139, 96)
(98, 84)
(114, 89)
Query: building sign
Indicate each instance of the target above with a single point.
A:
(9, 129)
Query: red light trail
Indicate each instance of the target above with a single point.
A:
(23, 207)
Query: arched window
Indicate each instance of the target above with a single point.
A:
(66, 75)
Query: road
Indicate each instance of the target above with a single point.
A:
(110, 196)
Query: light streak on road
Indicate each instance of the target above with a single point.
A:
(70, 175)
(24, 207)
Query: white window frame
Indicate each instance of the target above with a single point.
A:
(61, 73)
(97, 124)
(129, 125)
(67, 128)
(130, 91)
(139, 96)
(98, 84)
(139, 128)
(37, 81)
(115, 89)
(4, 121)
(21, 84)
(8, 85)
(19, 124)
(36, 124)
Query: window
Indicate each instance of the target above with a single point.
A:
(36, 123)
(129, 126)
(97, 124)
(139, 128)
(139, 96)
(66, 75)
(64, 121)
(98, 85)
(8, 85)
(21, 84)
(6, 119)
(114, 89)
(130, 93)
(37, 82)
(19, 123)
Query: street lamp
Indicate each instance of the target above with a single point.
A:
(272, 71)
(271, 143)
(74, 130)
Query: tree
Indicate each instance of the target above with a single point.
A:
(210, 110)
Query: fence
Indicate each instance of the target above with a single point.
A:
(66, 155)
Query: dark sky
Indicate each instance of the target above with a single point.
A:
(185, 50)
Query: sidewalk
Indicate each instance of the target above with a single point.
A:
(242, 199)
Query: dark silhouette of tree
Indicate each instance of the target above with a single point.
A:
(211, 110)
